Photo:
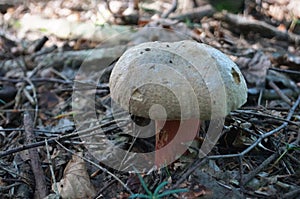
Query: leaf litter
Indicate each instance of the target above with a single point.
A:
(264, 42)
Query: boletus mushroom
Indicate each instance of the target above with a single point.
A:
(177, 84)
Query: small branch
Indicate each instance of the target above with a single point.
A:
(52, 80)
(105, 56)
(294, 72)
(270, 94)
(261, 137)
(172, 9)
(43, 52)
(59, 138)
(52, 171)
(105, 188)
(247, 25)
(38, 45)
(292, 194)
(40, 179)
(247, 112)
(262, 166)
(98, 166)
(191, 169)
(280, 93)
(196, 13)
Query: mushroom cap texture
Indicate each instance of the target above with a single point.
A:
(177, 80)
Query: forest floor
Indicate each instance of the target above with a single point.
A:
(48, 137)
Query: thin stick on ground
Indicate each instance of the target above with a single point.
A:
(191, 169)
(51, 140)
(52, 171)
(262, 166)
(171, 9)
(263, 136)
(283, 96)
(98, 166)
(39, 176)
(248, 177)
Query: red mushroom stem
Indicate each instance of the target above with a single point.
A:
(167, 148)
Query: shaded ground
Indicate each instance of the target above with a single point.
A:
(42, 46)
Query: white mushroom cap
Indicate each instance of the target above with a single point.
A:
(177, 80)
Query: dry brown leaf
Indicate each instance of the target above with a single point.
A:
(48, 99)
(254, 69)
(76, 182)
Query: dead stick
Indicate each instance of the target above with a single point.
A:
(247, 25)
(54, 140)
(172, 9)
(39, 176)
(263, 165)
(263, 136)
(196, 13)
(40, 43)
(191, 169)
(292, 194)
(280, 93)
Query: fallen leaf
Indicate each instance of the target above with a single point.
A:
(254, 69)
(48, 99)
(76, 182)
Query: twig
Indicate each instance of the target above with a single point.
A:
(96, 165)
(246, 25)
(40, 180)
(106, 186)
(52, 171)
(40, 44)
(172, 9)
(280, 93)
(20, 64)
(53, 80)
(263, 165)
(21, 178)
(191, 169)
(108, 8)
(60, 74)
(292, 194)
(43, 52)
(29, 98)
(261, 137)
(286, 71)
(260, 96)
(4, 188)
(275, 76)
(265, 115)
(296, 142)
(91, 56)
(294, 159)
(35, 100)
(270, 94)
(196, 14)
(52, 140)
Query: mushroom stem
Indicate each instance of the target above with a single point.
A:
(167, 148)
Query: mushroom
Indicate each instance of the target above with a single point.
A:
(177, 84)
